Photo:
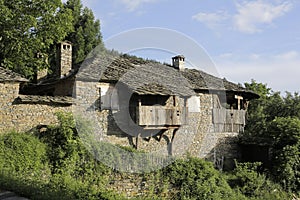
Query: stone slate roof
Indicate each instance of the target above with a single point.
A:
(201, 80)
(60, 100)
(10, 76)
(143, 77)
(150, 77)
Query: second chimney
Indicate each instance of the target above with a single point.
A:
(64, 59)
(178, 62)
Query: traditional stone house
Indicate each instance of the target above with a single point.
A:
(154, 106)
(23, 112)
(139, 103)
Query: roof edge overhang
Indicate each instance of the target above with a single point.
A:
(249, 94)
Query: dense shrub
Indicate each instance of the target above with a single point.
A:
(246, 180)
(23, 163)
(24, 154)
(52, 165)
(197, 179)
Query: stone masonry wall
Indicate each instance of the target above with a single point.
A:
(23, 117)
(198, 138)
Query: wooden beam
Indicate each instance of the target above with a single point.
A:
(239, 99)
(159, 136)
(137, 141)
(174, 100)
(185, 101)
(174, 133)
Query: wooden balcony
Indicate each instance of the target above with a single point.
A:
(228, 120)
(161, 116)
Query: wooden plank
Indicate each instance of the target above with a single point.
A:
(161, 115)
(226, 116)
(220, 116)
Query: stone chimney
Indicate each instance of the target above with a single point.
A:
(64, 58)
(178, 62)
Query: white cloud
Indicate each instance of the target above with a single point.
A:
(291, 55)
(280, 72)
(252, 15)
(211, 20)
(132, 5)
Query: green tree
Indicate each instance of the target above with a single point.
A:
(257, 117)
(275, 120)
(27, 31)
(286, 151)
(86, 34)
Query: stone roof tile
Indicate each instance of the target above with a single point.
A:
(10, 76)
(150, 77)
(29, 99)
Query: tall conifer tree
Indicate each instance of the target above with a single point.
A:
(86, 35)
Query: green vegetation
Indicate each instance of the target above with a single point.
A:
(245, 179)
(197, 179)
(27, 31)
(274, 121)
(86, 32)
(30, 31)
(55, 164)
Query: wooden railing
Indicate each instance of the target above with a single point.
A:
(226, 120)
(161, 116)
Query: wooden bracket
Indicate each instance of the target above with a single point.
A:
(159, 136)
(174, 133)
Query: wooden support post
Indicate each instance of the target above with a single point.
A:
(246, 105)
(231, 113)
(184, 114)
(138, 112)
(185, 100)
(239, 99)
(171, 143)
(174, 100)
(137, 141)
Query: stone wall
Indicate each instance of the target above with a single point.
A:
(23, 117)
(198, 138)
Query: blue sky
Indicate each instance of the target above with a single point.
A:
(246, 40)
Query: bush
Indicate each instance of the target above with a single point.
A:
(246, 180)
(23, 163)
(197, 179)
(24, 154)
(56, 166)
